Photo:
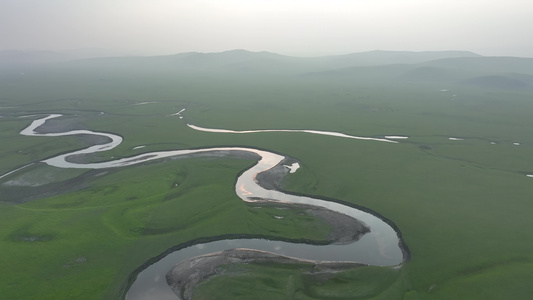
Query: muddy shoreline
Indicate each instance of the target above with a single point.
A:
(190, 272)
(345, 229)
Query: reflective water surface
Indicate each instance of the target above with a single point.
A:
(378, 247)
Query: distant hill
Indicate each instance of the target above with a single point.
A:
(488, 72)
(379, 57)
(487, 64)
(433, 66)
(235, 61)
(480, 71)
(247, 62)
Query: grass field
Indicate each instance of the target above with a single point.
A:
(462, 206)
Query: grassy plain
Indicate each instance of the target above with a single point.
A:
(462, 206)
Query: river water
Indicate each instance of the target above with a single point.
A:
(378, 247)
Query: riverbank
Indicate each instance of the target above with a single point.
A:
(344, 229)
(185, 275)
(189, 273)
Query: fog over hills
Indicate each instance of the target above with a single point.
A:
(431, 66)
(228, 58)
(267, 62)
(495, 72)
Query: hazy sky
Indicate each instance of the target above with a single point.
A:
(301, 27)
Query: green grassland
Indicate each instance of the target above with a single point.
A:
(463, 207)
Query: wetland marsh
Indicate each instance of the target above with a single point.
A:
(369, 241)
(445, 163)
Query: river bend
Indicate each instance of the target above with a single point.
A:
(380, 246)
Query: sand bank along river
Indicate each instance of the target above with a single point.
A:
(380, 246)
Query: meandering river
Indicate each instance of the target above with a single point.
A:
(380, 246)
